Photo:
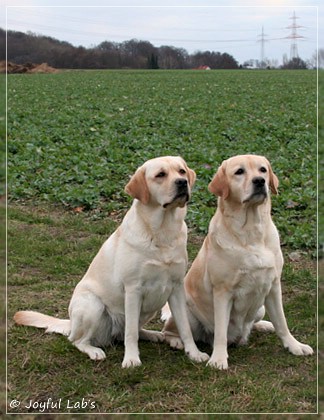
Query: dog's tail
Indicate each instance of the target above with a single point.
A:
(36, 319)
(165, 312)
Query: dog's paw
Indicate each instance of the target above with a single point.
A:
(219, 358)
(218, 363)
(174, 342)
(95, 353)
(198, 356)
(131, 362)
(264, 326)
(154, 336)
(300, 349)
(157, 337)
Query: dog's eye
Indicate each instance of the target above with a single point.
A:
(239, 171)
(161, 174)
(263, 169)
(182, 172)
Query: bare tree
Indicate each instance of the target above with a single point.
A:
(172, 58)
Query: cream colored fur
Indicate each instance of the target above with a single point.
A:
(235, 277)
(138, 269)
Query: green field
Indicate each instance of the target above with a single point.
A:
(74, 138)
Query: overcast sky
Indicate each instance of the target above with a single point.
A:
(228, 26)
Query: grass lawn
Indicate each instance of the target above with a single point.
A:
(73, 140)
(52, 248)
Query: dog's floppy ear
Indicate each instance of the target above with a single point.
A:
(137, 186)
(192, 177)
(191, 174)
(219, 184)
(273, 181)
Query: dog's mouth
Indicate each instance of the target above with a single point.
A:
(258, 196)
(181, 196)
(179, 200)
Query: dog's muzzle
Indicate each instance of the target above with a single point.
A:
(259, 192)
(182, 193)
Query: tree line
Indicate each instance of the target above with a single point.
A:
(29, 47)
(133, 54)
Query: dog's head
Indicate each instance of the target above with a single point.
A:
(244, 179)
(166, 181)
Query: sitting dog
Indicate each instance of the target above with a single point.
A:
(138, 269)
(236, 274)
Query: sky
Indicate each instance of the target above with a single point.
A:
(231, 26)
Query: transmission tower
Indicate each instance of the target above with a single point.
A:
(294, 36)
(262, 40)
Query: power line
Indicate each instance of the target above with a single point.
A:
(57, 29)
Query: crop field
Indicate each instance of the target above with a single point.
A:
(74, 139)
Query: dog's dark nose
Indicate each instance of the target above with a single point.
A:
(181, 182)
(258, 181)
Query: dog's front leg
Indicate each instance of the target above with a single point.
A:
(274, 307)
(177, 302)
(132, 314)
(222, 310)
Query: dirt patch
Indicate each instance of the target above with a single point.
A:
(12, 68)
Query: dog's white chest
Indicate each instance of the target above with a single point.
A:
(252, 284)
(158, 277)
(255, 273)
(256, 260)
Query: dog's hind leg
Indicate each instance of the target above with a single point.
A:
(260, 325)
(154, 336)
(86, 312)
(264, 326)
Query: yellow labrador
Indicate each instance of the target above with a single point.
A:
(138, 269)
(237, 271)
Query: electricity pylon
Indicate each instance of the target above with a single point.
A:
(294, 36)
(263, 41)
